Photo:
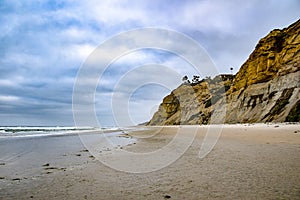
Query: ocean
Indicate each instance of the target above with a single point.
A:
(41, 131)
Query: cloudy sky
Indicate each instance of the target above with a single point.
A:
(43, 44)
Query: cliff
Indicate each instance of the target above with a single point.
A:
(266, 88)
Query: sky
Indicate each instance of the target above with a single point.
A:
(44, 44)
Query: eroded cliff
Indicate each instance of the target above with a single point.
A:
(266, 88)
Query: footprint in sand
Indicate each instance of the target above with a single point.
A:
(47, 167)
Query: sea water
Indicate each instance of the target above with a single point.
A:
(39, 131)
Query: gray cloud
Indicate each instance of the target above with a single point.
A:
(44, 43)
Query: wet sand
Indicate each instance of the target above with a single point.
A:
(248, 162)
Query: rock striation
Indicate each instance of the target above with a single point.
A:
(266, 88)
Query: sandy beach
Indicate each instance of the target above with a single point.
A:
(249, 161)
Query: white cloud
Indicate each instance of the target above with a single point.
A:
(78, 51)
(7, 98)
(9, 83)
(110, 12)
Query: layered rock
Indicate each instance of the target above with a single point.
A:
(266, 88)
(270, 101)
(192, 103)
(275, 55)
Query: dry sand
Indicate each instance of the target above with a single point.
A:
(248, 162)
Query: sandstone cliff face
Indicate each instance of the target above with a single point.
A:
(192, 104)
(275, 55)
(266, 88)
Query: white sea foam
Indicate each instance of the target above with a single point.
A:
(25, 131)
